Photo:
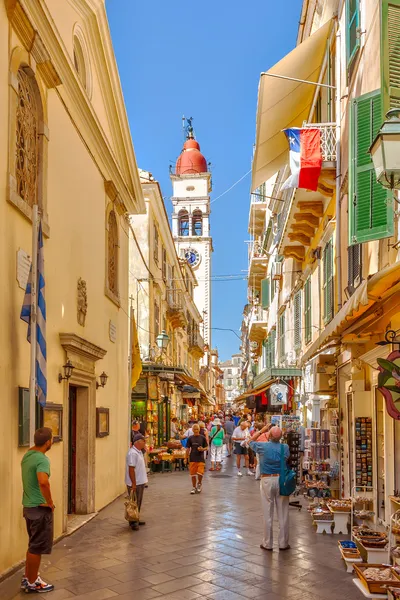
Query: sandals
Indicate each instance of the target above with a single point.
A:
(264, 548)
(211, 469)
(218, 469)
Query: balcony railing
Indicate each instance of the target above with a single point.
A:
(328, 139)
(256, 250)
(259, 315)
(175, 299)
(196, 340)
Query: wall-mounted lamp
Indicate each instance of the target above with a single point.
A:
(103, 380)
(391, 337)
(162, 341)
(68, 368)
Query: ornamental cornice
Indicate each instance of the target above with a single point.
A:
(78, 345)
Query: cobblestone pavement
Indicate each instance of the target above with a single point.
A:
(204, 546)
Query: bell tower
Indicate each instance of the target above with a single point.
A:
(191, 184)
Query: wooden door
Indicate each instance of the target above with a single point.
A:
(72, 451)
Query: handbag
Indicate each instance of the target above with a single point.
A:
(287, 477)
(131, 508)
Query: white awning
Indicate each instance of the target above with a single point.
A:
(285, 103)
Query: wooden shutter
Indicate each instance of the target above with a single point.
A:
(390, 55)
(307, 311)
(370, 205)
(272, 339)
(354, 267)
(353, 24)
(297, 320)
(265, 292)
(282, 336)
(328, 282)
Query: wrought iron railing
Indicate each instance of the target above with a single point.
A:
(175, 299)
(328, 139)
(195, 339)
(259, 315)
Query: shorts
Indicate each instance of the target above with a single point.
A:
(228, 439)
(39, 525)
(239, 449)
(196, 468)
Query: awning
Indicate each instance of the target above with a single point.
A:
(378, 287)
(254, 392)
(283, 103)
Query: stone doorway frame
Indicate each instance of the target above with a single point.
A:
(83, 355)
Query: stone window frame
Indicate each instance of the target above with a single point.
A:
(21, 59)
(114, 297)
(81, 59)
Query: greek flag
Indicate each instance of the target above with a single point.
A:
(41, 370)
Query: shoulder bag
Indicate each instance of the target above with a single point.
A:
(287, 477)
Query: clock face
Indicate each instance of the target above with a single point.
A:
(192, 257)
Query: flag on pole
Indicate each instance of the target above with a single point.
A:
(26, 315)
(136, 361)
(305, 158)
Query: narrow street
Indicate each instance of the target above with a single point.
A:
(206, 547)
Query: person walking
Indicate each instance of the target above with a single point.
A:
(270, 466)
(217, 435)
(38, 510)
(174, 429)
(240, 437)
(229, 428)
(136, 474)
(195, 448)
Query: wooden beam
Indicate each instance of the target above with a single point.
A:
(296, 252)
(315, 207)
(299, 237)
(306, 218)
(303, 228)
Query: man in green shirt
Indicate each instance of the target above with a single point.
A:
(38, 509)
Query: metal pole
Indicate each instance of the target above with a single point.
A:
(130, 371)
(299, 80)
(32, 381)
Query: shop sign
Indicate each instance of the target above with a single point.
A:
(278, 394)
(389, 382)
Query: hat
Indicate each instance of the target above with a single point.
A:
(217, 421)
(137, 438)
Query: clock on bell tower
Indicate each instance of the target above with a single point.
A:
(191, 183)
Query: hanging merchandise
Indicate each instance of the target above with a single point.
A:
(364, 451)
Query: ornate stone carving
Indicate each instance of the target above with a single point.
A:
(82, 302)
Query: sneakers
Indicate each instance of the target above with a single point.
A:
(240, 474)
(194, 491)
(39, 587)
(199, 488)
(25, 582)
(250, 472)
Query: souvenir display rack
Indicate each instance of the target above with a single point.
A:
(363, 451)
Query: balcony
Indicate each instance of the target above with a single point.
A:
(258, 208)
(196, 344)
(175, 311)
(328, 142)
(258, 324)
(258, 263)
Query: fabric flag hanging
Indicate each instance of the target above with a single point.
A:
(135, 357)
(305, 158)
(26, 314)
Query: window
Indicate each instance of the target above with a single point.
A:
(183, 220)
(164, 263)
(112, 247)
(266, 292)
(307, 311)
(197, 223)
(173, 278)
(270, 350)
(27, 136)
(390, 55)
(297, 321)
(156, 243)
(81, 60)
(328, 283)
(353, 25)
(282, 324)
(156, 319)
(354, 255)
(370, 204)
(229, 371)
(229, 382)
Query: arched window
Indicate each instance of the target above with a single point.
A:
(183, 223)
(197, 223)
(27, 138)
(112, 248)
(81, 60)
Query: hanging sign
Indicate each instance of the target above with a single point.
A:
(278, 394)
(389, 382)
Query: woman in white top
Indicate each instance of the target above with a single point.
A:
(240, 437)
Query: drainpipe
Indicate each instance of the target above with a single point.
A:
(338, 172)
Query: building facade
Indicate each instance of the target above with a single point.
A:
(163, 286)
(65, 146)
(232, 374)
(324, 269)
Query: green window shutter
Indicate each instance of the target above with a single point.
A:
(307, 311)
(370, 205)
(353, 24)
(282, 336)
(266, 293)
(390, 55)
(328, 282)
(272, 337)
(297, 320)
(268, 352)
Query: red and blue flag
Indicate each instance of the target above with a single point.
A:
(305, 158)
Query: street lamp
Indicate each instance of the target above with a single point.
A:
(162, 341)
(103, 380)
(385, 151)
(68, 368)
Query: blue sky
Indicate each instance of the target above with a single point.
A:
(203, 59)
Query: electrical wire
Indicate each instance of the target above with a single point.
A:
(231, 188)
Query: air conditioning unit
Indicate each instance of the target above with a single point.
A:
(277, 270)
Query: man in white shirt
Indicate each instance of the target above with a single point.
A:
(136, 474)
(240, 437)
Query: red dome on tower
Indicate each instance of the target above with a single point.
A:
(191, 159)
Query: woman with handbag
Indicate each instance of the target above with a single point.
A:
(277, 483)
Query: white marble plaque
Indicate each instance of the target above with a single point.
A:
(113, 332)
(23, 268)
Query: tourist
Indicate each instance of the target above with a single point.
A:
(38, 509)
(216, 445)
(270, 465)
(236, 419)
(263, 437)
(174, 429)
(203, 431)
(240, 437)
(195, 448)
(136, 474)
(229, 427)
